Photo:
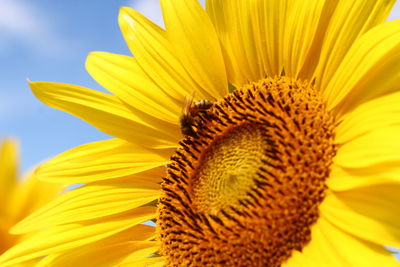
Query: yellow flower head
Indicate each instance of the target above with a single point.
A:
(18, 198)
(255, 133)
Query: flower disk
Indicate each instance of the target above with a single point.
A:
(245, 189)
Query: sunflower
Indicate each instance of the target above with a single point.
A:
(18, 198)
(254, 133)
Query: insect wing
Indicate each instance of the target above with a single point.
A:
(187, 103)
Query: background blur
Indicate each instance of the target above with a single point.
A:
(46, 40)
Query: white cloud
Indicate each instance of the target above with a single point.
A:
(395, 14)
(149, 8)
(15, 17)
(22, 23)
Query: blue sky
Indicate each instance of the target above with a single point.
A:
(48, 41)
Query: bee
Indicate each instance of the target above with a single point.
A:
(190, 111)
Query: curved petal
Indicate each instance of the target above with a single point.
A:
(106, 252)
(305, 27)
(329, 246)
(370, 213)
(196, 44)
(88, 202)
(376, 147)
(102, 160)
(143, 255)
(375, 114)
(95, 256)
(350, 21)
(107, 113)
(156, 56)
(122, 76)
(318, 251)
(261, 38)
(149, 262)
(64, 237)
(371, 68)
(342, 179)
(243, 32)
(8, 170)
(252, 34)
(30, 195)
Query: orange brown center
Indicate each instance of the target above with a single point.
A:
(244, 190)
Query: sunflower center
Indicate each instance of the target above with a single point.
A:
(244, 189)
(228, 169)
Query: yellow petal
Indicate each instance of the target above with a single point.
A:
(332, 247)
(317, 252)
(107, 113)
(241, 28)
(93, 201)
(31, 263)
(305, 25)
(8, 170)
(196, 44)
(149, 262)
(136, 237)
(342, 179)
(96, 256)
(102, 160)
(376, 147)
(123, 76)
(370, 213)
(260, 37)
(371, 68)
(65, 237)
(31, 194)
(374, 114)
(156, 57)
(350, 20)
(140, 254)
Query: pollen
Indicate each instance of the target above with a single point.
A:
(245, 188)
